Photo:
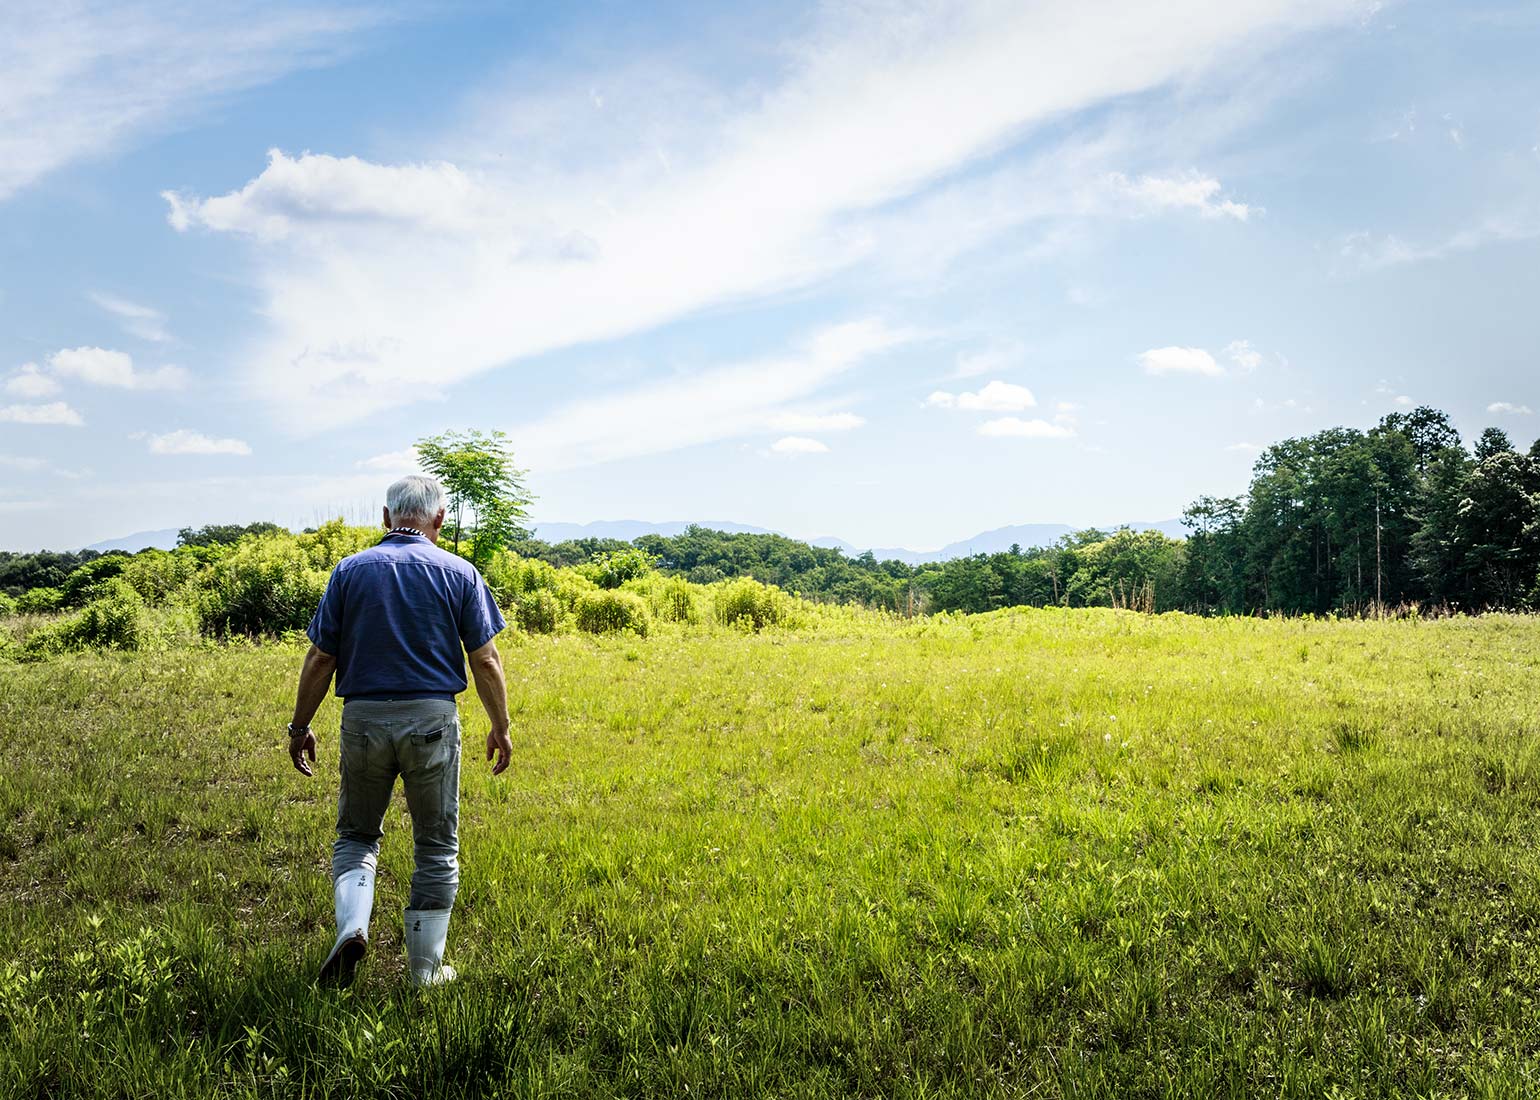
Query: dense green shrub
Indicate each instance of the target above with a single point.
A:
(7, 605)
(158, 574)
(673, 599)
(332, 541)
(266, 585)
(607, 610)
(86, 581)
(538, 612)
(39, 599)
(614, 568)
(749, 605)
(115, 619)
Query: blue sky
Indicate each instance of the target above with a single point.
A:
(896, 272)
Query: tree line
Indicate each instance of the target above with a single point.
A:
(1344, 520)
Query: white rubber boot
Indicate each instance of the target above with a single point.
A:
(353, 894)
(426, 931)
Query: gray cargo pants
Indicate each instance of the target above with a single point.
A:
(419, 740)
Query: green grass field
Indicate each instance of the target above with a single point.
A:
(1046, 853)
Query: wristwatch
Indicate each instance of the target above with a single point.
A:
(297, 732)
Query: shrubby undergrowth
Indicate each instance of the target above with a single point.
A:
(266, 584)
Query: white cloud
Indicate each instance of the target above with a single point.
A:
(28, 381)
(1025, 429)
(717, 403)
(186, 442)
(84, 79)
(1245, 357)
(1403, 400)
(23, 463)
(816, 422)
(1249, 448)
(1508, 408)
(997, 396)
(1367, 252)
(141, 321)
(798, 445)
(994, 360)
(104, 367)
(54, 412)
(404, 462)
(383, 284)
(1190, 191)
(1174, 360)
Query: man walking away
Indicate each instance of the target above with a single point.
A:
(391, 626)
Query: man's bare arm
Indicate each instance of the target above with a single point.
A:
(315, 676)
(487, 670)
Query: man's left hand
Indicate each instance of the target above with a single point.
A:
(302, 745)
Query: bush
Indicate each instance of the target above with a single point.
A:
(86, 581)
(7, 605)
(266, 585)
(673, 599)
(750, 605)
(36, 600)
(114, 620)
(606, 610)
(334, 540)
(615, 568)
(158, 574)
(538, 612)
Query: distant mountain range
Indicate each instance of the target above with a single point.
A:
(1025, 535)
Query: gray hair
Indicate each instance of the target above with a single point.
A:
(414, 497)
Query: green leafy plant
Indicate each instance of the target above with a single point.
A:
(607, 610)
(483, 486)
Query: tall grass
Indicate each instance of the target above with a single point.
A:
(1043, 853)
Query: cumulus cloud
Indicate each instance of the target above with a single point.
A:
(184, 441)
(1190, 191)
(27, 381)
(105, 367)
(798, 445)
(1508, 408)
(84, 79)
(54, 412)
(997, 396)
(1014, 426)
(384, 284)
(816, 422)
(1175, 360)
(141, 321)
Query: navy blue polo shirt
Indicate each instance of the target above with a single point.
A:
(396, 617)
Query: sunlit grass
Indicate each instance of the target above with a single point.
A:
(1049, 853)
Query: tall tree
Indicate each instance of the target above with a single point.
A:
(482, 484)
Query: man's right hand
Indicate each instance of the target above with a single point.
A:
(301, 746)
(498, 743)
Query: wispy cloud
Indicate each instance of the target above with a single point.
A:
(1367, 251)
(723, 402)
(1015, 427)
(141, 321)
(84, 79)
(184, 441)
(1508, 408)
(386, 283)
(1177, 360)
(1243, 356)
(816, 422)
(1189, 191)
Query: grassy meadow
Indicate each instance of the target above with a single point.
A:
(1029, 853)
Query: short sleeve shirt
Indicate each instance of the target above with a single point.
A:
(397, 617)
